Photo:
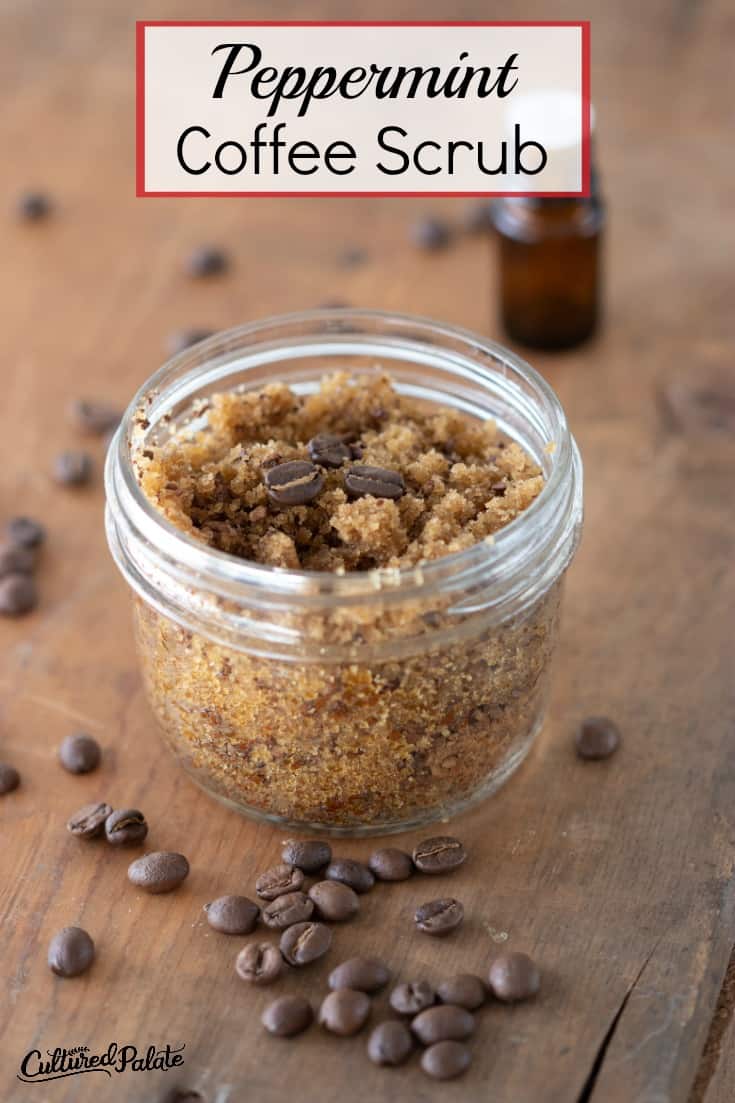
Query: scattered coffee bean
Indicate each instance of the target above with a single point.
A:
(464, 990)
(33, 206)
(334, 901)
(70, 952)
(446, 1060)
(279, 881)
(80, 753)
(159, 871)
(514, 977)
(184, 339)
(287, 1016)
(362, 479)
(391, 864)
(329, 450)
(232, 914)
(207, 260)
(344, 1012)
(126, 827)
(439, 917)
(443, 1023)
(305, 942)
(284, 911)
(430, 233)
(18, 595)
(89, 821)
(94, 417)
(25, 532)
(349, 872)
(259, 963)
(597, 737)
(73, 468)
(410, 999)
(308, 855)
(9, 778)
(478, 217)
(293, 483)
(363, 974)
(15, 559)
(390, 1043)
(439, 855)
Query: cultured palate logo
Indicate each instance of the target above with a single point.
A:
(37, 1068)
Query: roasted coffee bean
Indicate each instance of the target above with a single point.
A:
(126, 827)
(309, 855)
(305, 942)
(287, 1016)
(329, 450)
(597, 737)
(89, 821)
(279, 881)
(430, 233)
(514, 977)
(390, 1043)
(73, 468)
(33, 206)
(364, 974)
(361, 479)
(293, 483)
(207, 260)
(184, 339)
(334, 901)
(18, 595)
(70, 952)
(15, 559)
(232, 914)
(9, 778)
(354, 874)
(94, 417)
(80, 753)
(439, 855)
(25, 532)
(159, 871)
(344, 1012)
(391, 864)
(284, 911)
(259, 963)
(446, 1060)
(463, 990)
(410, 999)
(443, 1023)
(439, 917)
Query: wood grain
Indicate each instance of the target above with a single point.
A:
(618, 876)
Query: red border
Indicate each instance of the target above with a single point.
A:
(140, 27)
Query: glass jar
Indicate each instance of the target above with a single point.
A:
(366, 702)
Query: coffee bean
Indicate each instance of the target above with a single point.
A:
(443, 1023)
(334, 901)
(126, 827)
(363, 974)
(184, 339)
(94, 417)
(439, 855)
(15, 559)
(25, 532)
(89, 821)
(80, 753)
(410, 999)
(33, 206)
(279, 881)
(18, 595)
(284, 911)
(159, 871)
(597, 737)
(463, 990)
(329, 450)
(439, 917)
(390, 1043)
(9, 778)
(259, 963)
(344, 1012)
(514, 977)
(354, 874)
(73, 468)
(446, 1060)
(391, 864)
(287, 1016)
(293, 483)
(70, 952)
(305, 942)
(362, 479)
(430, 233)
(232, 914)
(309, 855)
(207, 260)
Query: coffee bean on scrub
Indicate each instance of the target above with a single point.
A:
(293, 483)
(380, 482)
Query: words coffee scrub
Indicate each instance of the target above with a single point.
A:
(346, 534)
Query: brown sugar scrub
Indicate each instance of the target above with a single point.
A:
(333, 627)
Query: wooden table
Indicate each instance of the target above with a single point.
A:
(618, 877)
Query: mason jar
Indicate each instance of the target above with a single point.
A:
(370, 701)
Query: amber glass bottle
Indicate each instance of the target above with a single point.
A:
(550, 260)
